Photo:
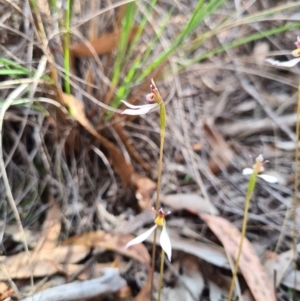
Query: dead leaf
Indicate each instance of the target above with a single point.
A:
(209, 252)
(249, 126)
(3, 287)
(197, 146)
(113, 242)
(286, 145)
(191, 282)
(145, 292)
(247, 296)
(110, 282)
(47, 257)
(278, 264)
(289, 280)
(5, 291)
(249, 264)
(136, 223)
(84, 271)
(124, 292)
(189, 201)
(103, 45)
(51, 229)
(16, 236)
(129, 146)
(260, 52)
(217, 293)
(144, 190)
(47, 262)
(221, 154)
(124, 169)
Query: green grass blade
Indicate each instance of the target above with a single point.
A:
(198, 15)
(14, 72)
(8, 64)
(129, 81)
(67, 48)
(140, 29)
(128, 23)
(242, 41)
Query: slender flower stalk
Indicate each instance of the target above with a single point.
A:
(155, 100)
(256, 171)
(155, 97)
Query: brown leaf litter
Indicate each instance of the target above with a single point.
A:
(250, 265)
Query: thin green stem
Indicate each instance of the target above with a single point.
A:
(161, 273)
(162, 139)
(250, 190)
(153, 261)
(163, 119)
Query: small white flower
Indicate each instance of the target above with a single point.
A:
(258, 167)
(267, 178)
(164, 239)
(138, 110)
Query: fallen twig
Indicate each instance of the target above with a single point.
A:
(110, 282)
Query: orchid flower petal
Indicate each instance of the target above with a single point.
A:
(260, 158)
(141, 237)
(140, 111)
(131, 106)
(247, 171)
(165, 242)
(269, 178)
(290, 63)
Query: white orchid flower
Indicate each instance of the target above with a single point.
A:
(267, 178)
(138, 110)
(259, 169)
(164, 239)
(290, 63)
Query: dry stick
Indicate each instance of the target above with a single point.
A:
(110, 282)
(295, 199)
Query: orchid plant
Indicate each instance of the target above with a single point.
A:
(255, 171)
(155, 100)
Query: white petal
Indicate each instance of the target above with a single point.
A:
(141, 237)
(269, 178)
(140, 111)
(165, 242)
(247, 171)
(260, 158)
(290, 63)
(131, 106)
